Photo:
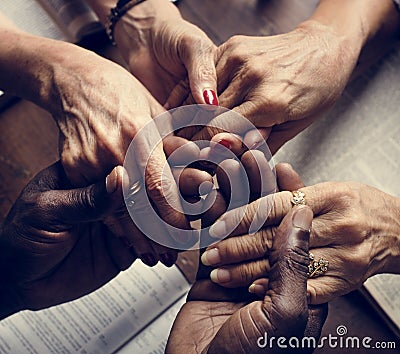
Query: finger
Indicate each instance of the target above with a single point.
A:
(338, 279)
(178, 95)
(239, 249)
(255, 138)
(167, 256)
(259, 287)
(288, 179)
(235, 93)
(229, 121)
(233, 183)
(224, 144)
(240, 275)
(214, 205)
(122, 226)
(283, 312)
(316, 319)
(261, 177)
(252, 217)
(289, 266)
(121, 255)
(200, 64)
(179, 151)
(193, 182)
(151, 162)
(205, 290)
(74, 206)
(270, 210)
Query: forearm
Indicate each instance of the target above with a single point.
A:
(31, 65)
(366, 26)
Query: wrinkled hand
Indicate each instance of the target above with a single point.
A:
(169, 55)
(58, 243)
(55, 246)
(219, 325)
(100, 107)
(281, 83)
(354, 228)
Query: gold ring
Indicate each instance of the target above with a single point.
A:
(298, 198)
(316, 268)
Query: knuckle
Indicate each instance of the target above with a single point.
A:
(265, 241)
(85, 198)
(297, 259)
(205, 72)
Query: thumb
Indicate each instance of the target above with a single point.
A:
(200, 65)
(86, 204)
(287, 287)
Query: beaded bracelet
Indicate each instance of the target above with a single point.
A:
(116, 13)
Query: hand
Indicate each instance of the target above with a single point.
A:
(223, 326)
(58, 243)
(100, 108)
(169, 55)
(281, 83)
(55, 246)
(355, 228)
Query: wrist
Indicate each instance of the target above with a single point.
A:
(28, 64)
(141, 20)
(358, 22)
(386, 244)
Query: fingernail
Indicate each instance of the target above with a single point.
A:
(148, 259)
(256, 145)
(257, 289)
(211, 257)
(167, 260)
(210, 97)
(218, 230)
(302, 218)
(111, 181)
(220, 275)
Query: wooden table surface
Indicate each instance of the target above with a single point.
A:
(28, 135)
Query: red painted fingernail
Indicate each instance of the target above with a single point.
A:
(210, 97)
(221, 146)
(225, 143)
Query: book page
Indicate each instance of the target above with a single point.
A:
(385, 289)
(32, 18)
(153, 339)
(100, 322)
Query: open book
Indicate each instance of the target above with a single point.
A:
(131, 314)
(67, 20)
(383, 293)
